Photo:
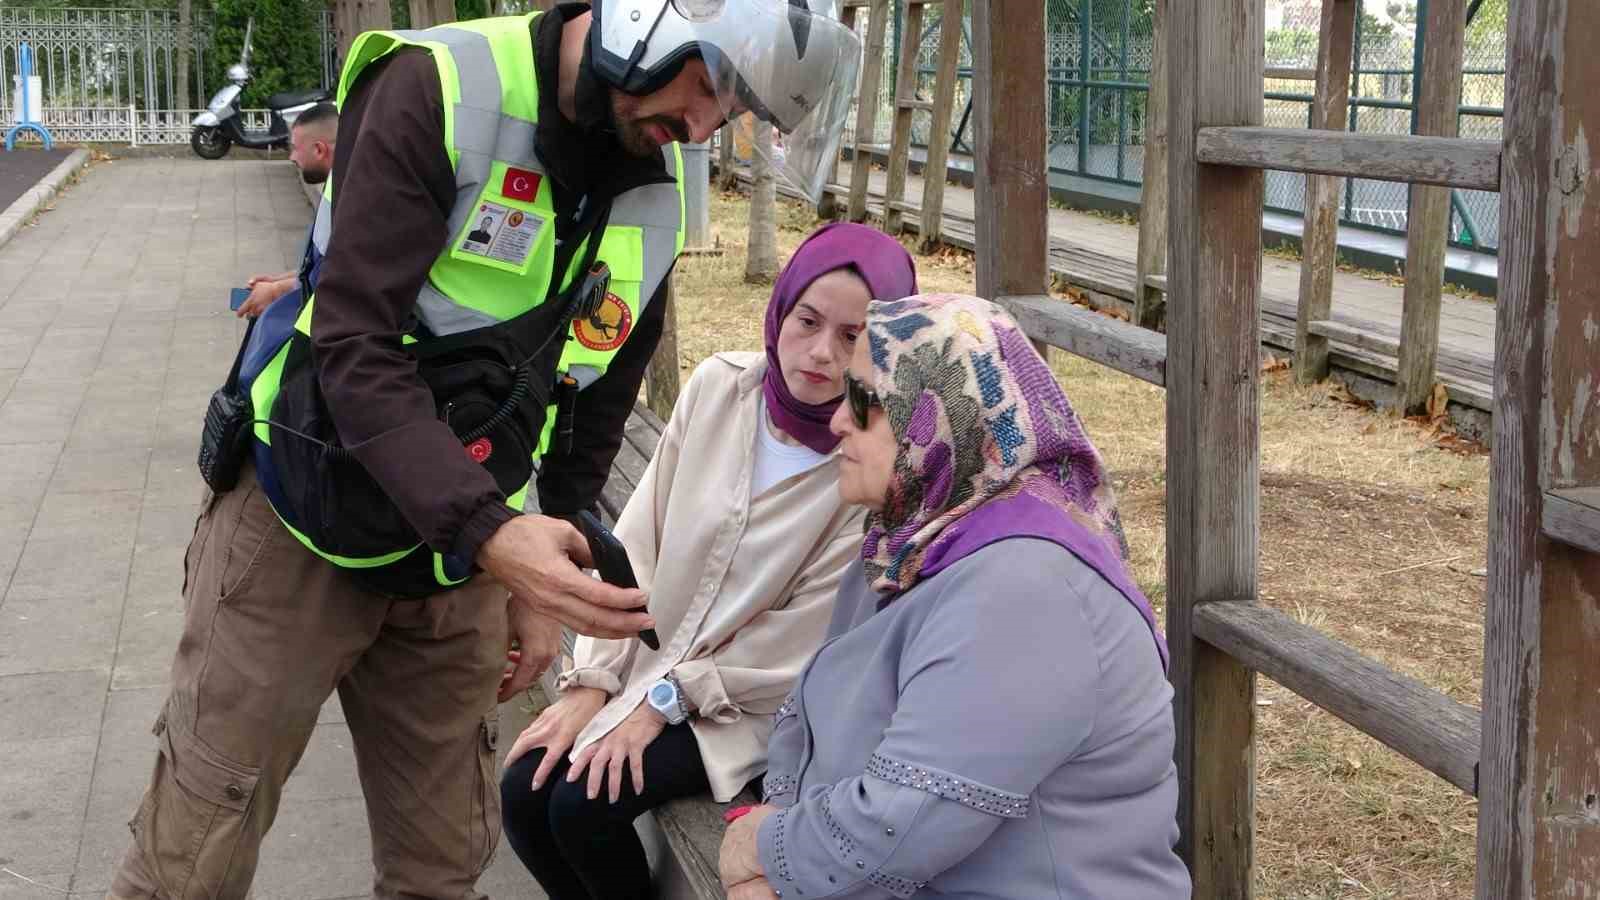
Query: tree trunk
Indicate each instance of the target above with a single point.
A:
(428, 13)
(181, 97)
(352, 17)
(761, 261)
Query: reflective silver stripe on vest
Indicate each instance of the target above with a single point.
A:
(477, 117)
(584, 375)
(658, 209)
(445, 316)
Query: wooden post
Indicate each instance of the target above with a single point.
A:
(428, 13)
(662, 379)
(1538, 818)
(1319, 237)
(1428, 217)
(867, 109)
(905, 89)
(829, 206)
(944, 99)
(1214, 72)
(1009, 112)
(1149, 303)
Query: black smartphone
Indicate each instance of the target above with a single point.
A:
(237, 298)
(611, 561)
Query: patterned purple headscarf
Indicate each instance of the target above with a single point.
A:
(881, 262)
(990, 449)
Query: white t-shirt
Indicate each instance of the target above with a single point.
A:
(776, 460)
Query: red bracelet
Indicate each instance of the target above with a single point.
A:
(735, 813)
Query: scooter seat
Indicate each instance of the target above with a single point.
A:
(297, 98)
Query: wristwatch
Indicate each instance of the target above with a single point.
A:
(667, 699)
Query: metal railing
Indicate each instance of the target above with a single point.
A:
(112, 75)
(1097, 66)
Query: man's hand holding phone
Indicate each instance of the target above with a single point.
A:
(611, 561)
(537, 558)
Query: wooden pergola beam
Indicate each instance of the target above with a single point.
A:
(1538, 815)
(1010, 173)
(1428, 213)
(1213, 442)
(1319, 237)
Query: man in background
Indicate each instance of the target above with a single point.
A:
(311, 142)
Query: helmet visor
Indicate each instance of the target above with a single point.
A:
(793, 68)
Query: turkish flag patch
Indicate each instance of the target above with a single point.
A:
(520, 184)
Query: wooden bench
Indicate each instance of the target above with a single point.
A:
(682, 838)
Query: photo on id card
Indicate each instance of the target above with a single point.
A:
(501, 233)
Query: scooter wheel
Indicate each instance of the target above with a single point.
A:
(210, 143)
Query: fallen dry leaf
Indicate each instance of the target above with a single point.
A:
(1438, 402)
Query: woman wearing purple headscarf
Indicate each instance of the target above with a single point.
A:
(738, 535)
(990, 714)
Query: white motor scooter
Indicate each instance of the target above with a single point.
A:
(221, 126)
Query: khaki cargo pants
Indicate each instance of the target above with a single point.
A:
(270, 630)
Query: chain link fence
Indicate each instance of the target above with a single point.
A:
(1098, 56)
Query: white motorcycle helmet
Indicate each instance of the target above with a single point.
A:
(790, 62)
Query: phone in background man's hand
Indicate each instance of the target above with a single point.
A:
(611, 561)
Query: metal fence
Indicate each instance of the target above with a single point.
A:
(111, 74)
(1098, 62)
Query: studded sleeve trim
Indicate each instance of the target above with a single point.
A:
(776, 786)
(977, 795)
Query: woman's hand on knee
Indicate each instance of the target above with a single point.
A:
(556, 728)
(625, 744)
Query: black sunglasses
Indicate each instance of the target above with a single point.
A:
(861, 398)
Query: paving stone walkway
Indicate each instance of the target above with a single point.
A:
(114, 331)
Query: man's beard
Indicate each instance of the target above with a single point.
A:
(313, 176)
(632, 133)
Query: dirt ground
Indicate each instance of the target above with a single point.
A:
(1372, 530)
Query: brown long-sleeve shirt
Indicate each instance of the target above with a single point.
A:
(393, 188)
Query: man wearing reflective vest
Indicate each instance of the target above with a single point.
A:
(504, 211)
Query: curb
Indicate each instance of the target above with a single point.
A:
(37, 197)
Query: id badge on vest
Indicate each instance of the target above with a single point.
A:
(506, 227)
(502, 233)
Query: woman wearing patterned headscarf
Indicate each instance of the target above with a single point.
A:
(989, 715)
(737, 533)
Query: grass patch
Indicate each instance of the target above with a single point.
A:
(1372, 531)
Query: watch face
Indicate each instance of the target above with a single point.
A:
(661, 695)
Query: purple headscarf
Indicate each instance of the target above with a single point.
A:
(989, 449)
(879, 260)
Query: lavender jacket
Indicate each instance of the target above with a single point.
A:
(1002, 730)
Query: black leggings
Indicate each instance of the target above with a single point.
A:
(582, 849)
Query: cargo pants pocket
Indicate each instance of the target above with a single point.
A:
(193, 827)
(486, 799)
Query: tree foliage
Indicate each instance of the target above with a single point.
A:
(285, 46)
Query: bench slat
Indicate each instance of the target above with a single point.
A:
(644, 430)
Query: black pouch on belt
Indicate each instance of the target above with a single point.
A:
(225, 436)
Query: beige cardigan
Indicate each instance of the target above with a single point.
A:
(741, 590)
